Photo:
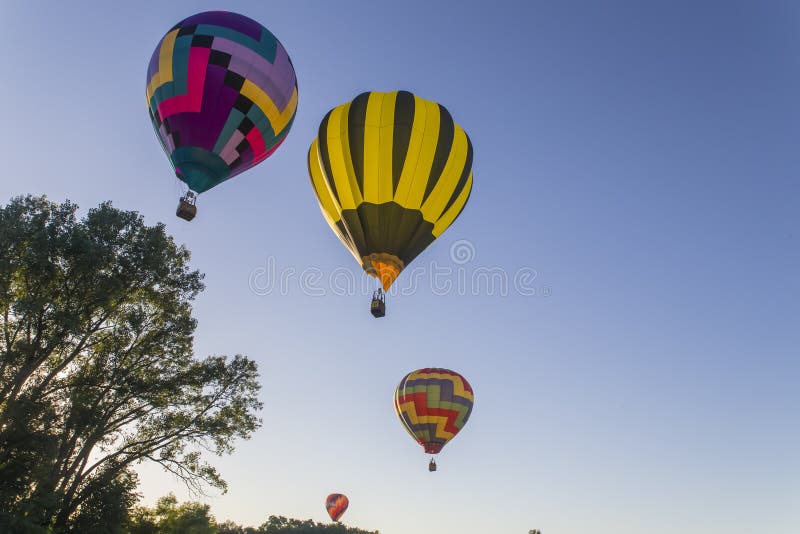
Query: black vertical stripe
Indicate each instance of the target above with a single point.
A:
(443, 147)
(353, 227)
(419, 241)
(403, 122)
(322, 139)
(346, 235)
(356, 120)
(462, 181)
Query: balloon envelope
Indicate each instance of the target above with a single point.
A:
(391, 171)
(222, 95)
(433, 405)
(336, 504)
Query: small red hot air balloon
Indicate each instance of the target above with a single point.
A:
(336, 504)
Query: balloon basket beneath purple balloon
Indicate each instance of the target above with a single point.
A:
(186, 207)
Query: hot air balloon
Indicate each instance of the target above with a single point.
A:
(222, 95)
(391, 171)
(434, 405)
(336, 504)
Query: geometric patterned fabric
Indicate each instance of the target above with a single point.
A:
(433, 405)
(222, 96)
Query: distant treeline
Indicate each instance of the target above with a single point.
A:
(169, 517)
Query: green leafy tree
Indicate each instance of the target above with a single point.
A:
(283, 525)
(107, 510)
(229, 527)
(169, 517)
(97, 370)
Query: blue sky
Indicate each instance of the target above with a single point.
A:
(640, 158)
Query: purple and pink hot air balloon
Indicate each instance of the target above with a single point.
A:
(222, 95)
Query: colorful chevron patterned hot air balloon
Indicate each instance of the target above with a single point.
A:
(433, 405)
(222, 95)
(391, 171)
(336, 504)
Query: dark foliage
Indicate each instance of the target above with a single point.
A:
(97, 370)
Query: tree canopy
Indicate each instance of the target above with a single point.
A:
(97, 371)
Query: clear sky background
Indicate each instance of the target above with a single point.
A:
(641, 158)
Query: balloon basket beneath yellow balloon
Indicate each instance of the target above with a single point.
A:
(432, 465)
(378, 306)
(186, 207)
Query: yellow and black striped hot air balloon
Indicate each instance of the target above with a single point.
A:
(391, 171)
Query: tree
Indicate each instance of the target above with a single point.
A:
(96, 366)
(168, 517)
(282, 525)
(107, 509)
(229, 527)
